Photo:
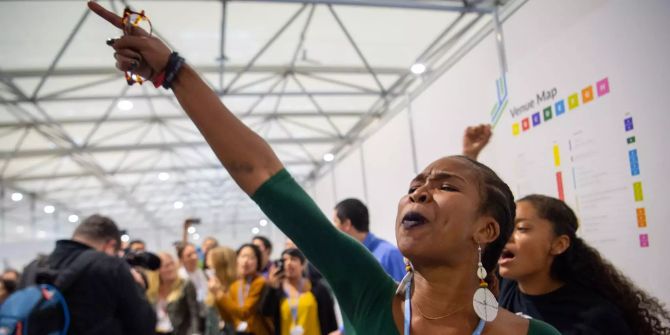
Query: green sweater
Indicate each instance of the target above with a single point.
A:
(365, 292)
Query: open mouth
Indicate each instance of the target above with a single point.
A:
(413, 219)
(506, 256)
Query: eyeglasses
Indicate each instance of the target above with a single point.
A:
(132, 19)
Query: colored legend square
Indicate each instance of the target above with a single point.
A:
(573, 101)
(559, 184)
(637, 189)
(630, 140)
(536, 119)
(515, 129)
(641, 217)
(634, 162)
(587, 94)
(547, 113)
(603, 87)
(557, 156)
(525, 124)
(628, 124)
(644, 240)
(560, 107)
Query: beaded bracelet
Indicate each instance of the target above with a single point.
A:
(160, 78)
(173, 66)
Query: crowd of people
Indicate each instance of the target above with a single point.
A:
(469, 258)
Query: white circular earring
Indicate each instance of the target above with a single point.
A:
(484, 302)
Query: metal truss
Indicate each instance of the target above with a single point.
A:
(31, 113)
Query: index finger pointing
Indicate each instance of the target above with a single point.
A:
(112, 18)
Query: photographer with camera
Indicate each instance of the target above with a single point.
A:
(103, 295)
(141, 261)
(297, 305)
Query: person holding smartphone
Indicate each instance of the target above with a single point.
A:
(297, 305)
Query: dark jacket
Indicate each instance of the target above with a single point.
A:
(272, 298)
(104, 299)
(184, 312)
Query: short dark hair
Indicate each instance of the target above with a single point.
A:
(136, 242)
(99, 228)
(356, 211)
(181, 247)
(257, 253)
(295, 253)
(265, 240)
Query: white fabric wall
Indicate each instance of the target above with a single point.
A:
(562, 44)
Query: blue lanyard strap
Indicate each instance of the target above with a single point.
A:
(408, 307)
(480, 327)
(294, 307)
(408, 313)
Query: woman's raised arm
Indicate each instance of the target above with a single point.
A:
(247, 157)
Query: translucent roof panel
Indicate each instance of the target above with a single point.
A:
(309, 76)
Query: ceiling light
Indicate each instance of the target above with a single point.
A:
(328, 157)
(41, 234)
(255, 230)
(16, 196)
(178, 205)
(263, 222)
(125, 238)
(418, 68)
(125, 105)
(49, 209)
(196, 236)
(73, 218)
(163, 176)
(191, 230)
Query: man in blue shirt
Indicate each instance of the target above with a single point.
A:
(351, 217)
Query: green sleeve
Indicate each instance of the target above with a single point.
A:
(538, 327)
(363, 290)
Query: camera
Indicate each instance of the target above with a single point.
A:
(143, 259)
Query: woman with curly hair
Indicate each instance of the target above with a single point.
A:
(551, 274)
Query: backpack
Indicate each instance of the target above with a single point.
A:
(41, 308)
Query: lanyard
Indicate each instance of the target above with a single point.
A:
(294, 307)
(243, 292)
(408, 313)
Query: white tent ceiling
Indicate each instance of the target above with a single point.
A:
(309, 76)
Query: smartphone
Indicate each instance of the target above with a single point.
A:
(193, 221)
(280, 265)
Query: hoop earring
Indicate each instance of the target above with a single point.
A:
(484, 302)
